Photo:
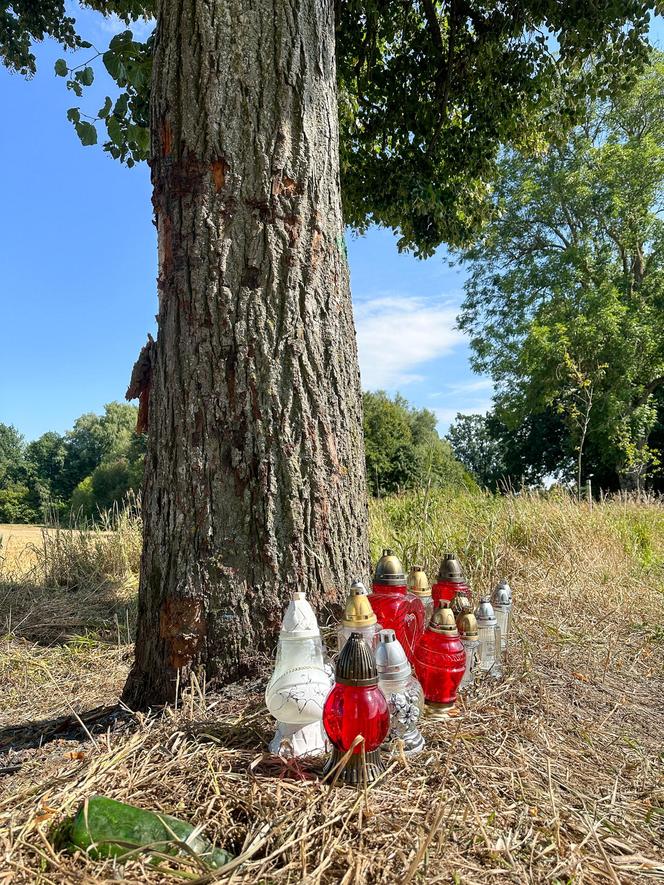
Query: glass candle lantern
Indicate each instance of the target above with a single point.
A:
(450, 580)
(356, 706)
(418, 585)
(469, 636)
(395, 607)
(299, 683)
(489, 651)
(359, 617)
(501, 600)
(403, 692)
(440, 662)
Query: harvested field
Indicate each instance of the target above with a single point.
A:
(16, 546)
(553, 774)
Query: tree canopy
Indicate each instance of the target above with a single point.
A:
(429, 93)
(565, 295)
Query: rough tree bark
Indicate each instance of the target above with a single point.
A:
(255, 468)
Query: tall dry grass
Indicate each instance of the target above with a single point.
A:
(553, 774)
(81, 556)
(73, 584)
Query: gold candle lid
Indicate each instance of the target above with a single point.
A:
(461, 604)
(358, 608)
(418, 583)
(467, 626)
(443, 621)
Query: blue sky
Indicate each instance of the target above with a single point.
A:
(78, 259)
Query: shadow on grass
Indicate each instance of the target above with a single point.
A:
(80, 727)
(56, 616)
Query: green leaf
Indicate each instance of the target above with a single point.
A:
(106, 828)
(142, 136)
(74, 115)
(75, 87)
(114, 130)
(61, 69)
(105, 111)
(86, 76)
(120, 41)
(87, 133)
(111, 63)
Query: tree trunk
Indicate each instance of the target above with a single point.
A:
(255, 478)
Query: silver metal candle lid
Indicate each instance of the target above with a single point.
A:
(501, 597)
(485, 615)
(391, 660)
(502, 594)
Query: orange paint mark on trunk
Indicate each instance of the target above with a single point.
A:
(284, 186)
(316, 243)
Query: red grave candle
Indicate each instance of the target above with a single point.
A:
(356, 706)
(440, 662)
(450, 581)
(396, 608)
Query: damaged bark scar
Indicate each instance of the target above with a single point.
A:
(167, 248)
(188, 176)
(283, 186)
(219, 171)
(250, 277)
(183, 626)
(140, 383)
(255, 408)
(316, 243)
(265, 212)
(197, 434)
(292, 224)
(166, 138)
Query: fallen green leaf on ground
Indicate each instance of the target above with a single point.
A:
(106, 828)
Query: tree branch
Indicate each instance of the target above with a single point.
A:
(443, 80)
(434, 26)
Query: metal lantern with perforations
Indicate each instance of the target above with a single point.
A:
(403, 692)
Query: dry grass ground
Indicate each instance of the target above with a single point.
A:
(554, 774)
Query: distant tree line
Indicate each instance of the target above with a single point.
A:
(95, 464)
(89, 468)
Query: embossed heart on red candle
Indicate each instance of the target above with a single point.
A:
(398, 610)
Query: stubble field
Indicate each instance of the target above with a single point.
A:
(554, 774)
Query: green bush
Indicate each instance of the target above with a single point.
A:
(16, 503)
(403, 449)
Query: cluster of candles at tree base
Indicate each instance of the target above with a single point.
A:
(404, 649)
